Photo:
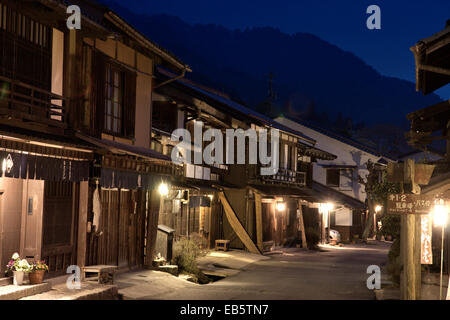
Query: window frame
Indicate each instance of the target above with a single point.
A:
(327, 178)
(110, 85)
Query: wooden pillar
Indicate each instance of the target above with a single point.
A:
(402, 257)
(152, 225)
(410, 248)
(417, 255)
(82, 225)
(259, 226)
(72, 78)
(302, 225)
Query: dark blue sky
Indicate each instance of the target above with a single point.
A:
(342, 23)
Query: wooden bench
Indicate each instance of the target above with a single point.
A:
(102, 273)
(222, 245)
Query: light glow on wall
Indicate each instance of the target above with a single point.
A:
(281, 206)
(163, 189)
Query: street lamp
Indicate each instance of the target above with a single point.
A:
(378, 208)
(440, 213)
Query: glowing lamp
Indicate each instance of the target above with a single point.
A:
(281, 206)
(440, 213)
(163, 189)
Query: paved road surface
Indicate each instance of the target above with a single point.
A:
(334, 273)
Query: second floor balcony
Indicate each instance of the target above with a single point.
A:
(29, 104)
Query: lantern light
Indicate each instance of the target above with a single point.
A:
(378, 208)
(163, 189)
(440, 213)
(281, 206)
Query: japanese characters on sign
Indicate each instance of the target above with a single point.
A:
(426, 227)
(410, 204)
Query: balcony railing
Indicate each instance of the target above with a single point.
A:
(22, 101)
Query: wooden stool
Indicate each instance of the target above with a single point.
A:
(103, 273)
(222, 245)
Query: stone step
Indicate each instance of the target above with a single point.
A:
(12, 292)
(6, 281)
(172, 269)
(88, 291)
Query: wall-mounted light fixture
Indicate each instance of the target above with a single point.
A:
(280, 206)
(163, 189)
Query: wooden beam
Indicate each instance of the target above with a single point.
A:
(237, 226)
(302, 226)
(152, 226)
(435, 69)
(82, 225)
(259, 226)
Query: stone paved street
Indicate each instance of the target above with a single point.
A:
(332, 273)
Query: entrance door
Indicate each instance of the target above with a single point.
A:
(58, 226)
(123, 226)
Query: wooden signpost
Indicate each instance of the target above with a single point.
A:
(412, 207)
(410, 203)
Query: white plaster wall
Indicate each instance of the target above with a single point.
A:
(346, 155)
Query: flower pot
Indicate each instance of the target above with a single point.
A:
(36, 277)
(18, 278)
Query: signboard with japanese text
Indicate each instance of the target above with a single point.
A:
(410, 203)
(426, 227)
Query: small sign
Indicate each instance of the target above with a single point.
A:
(410, 203)
(426, 227)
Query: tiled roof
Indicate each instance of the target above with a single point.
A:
(222, 99)
(349, 141)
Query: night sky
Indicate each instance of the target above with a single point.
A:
(342, 23)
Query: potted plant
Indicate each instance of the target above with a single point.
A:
(18, 267)
(38, 270)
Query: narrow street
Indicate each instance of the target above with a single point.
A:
(332, 273)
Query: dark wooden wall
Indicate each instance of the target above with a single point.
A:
(123, 225)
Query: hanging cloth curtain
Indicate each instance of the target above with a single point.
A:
(97, 208)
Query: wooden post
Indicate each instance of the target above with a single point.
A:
(417, 254)
(302, 225)
(82, 225)
(402, 257)
(259, 226)
(411, 278)
(410, 272)
(152, 225)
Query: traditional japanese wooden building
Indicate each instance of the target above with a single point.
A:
(244, 203)
(76, 115)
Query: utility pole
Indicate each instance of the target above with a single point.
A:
(271, 76)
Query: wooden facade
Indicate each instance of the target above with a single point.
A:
(79, 100)
(182, 102)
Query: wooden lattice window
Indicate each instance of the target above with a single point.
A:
(25, 48)
(114, 100)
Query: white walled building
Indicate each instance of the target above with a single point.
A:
(340, 176)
